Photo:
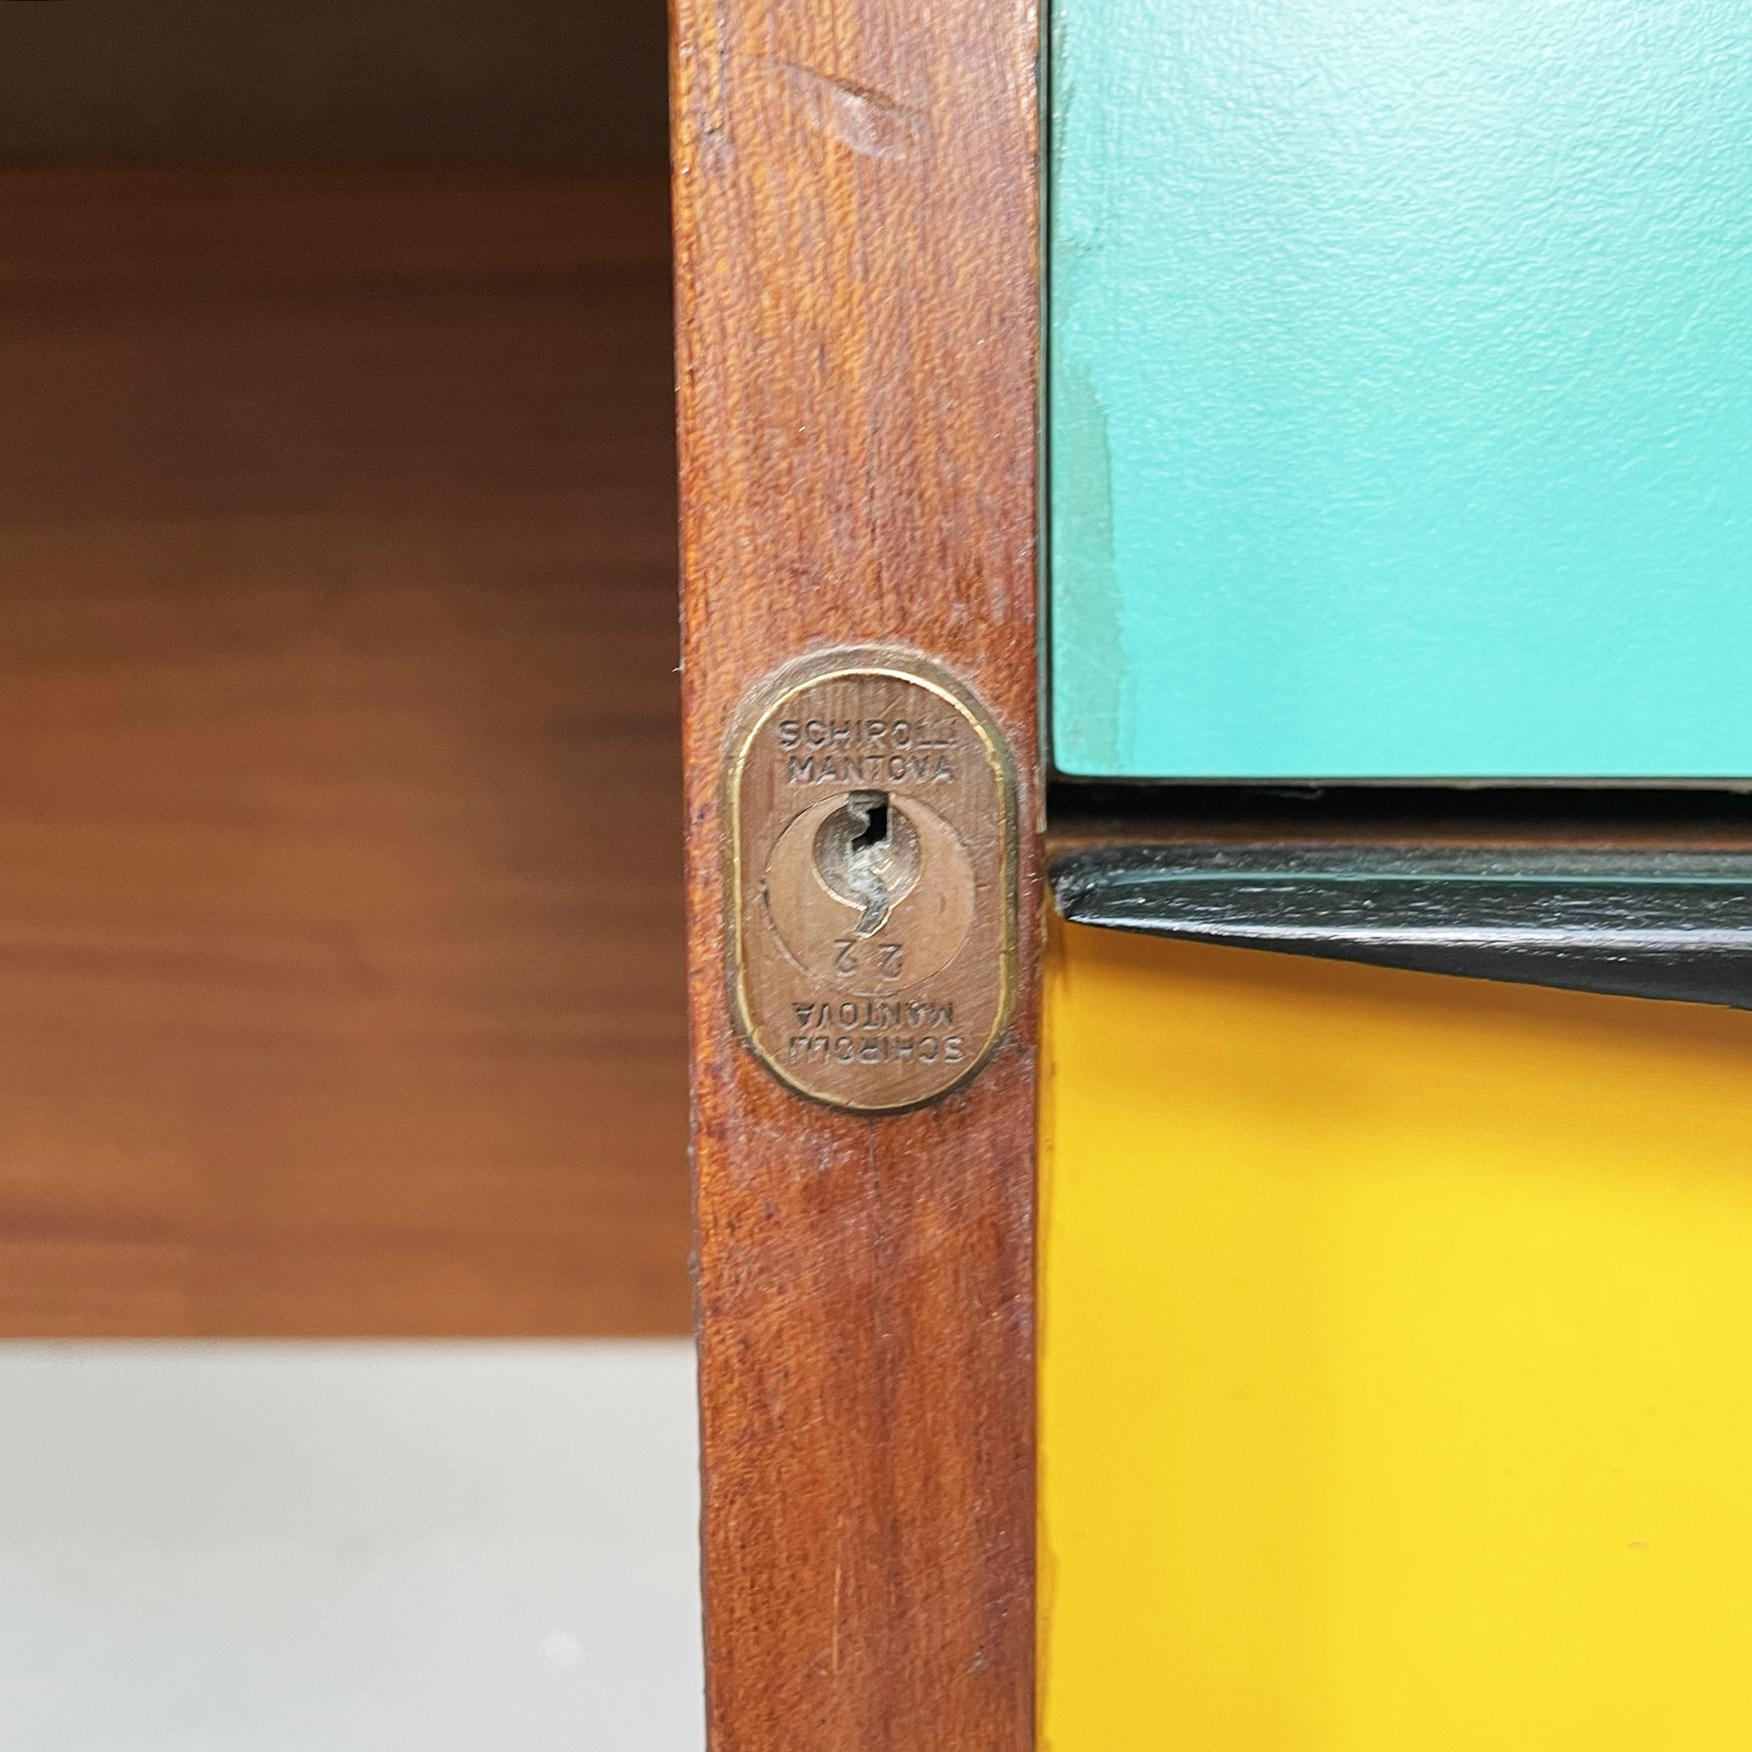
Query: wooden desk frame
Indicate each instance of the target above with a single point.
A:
(857, 244)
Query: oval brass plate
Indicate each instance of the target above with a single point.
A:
(872, 880)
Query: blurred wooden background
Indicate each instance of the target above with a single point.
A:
(333, 82)
(340, 942)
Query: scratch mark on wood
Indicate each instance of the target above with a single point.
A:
(863, 118)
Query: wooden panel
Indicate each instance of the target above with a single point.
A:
(856, 227)
(1393, 1384)
(352, 82)
(339, 781)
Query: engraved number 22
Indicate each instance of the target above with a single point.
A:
(890, 957)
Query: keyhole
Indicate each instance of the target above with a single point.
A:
(875, 823)
(867, 854)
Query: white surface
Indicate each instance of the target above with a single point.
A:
(348, 1548)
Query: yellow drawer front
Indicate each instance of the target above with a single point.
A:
(1396, 1362)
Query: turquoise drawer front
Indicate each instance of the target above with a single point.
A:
(1400, 411)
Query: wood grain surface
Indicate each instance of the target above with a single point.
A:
(334, 82)
(340, 922)
(856, 224)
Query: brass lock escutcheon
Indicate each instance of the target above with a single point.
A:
(872, 893)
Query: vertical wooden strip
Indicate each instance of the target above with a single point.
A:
(855, 193)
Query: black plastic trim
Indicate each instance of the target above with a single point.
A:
(1649, 924)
